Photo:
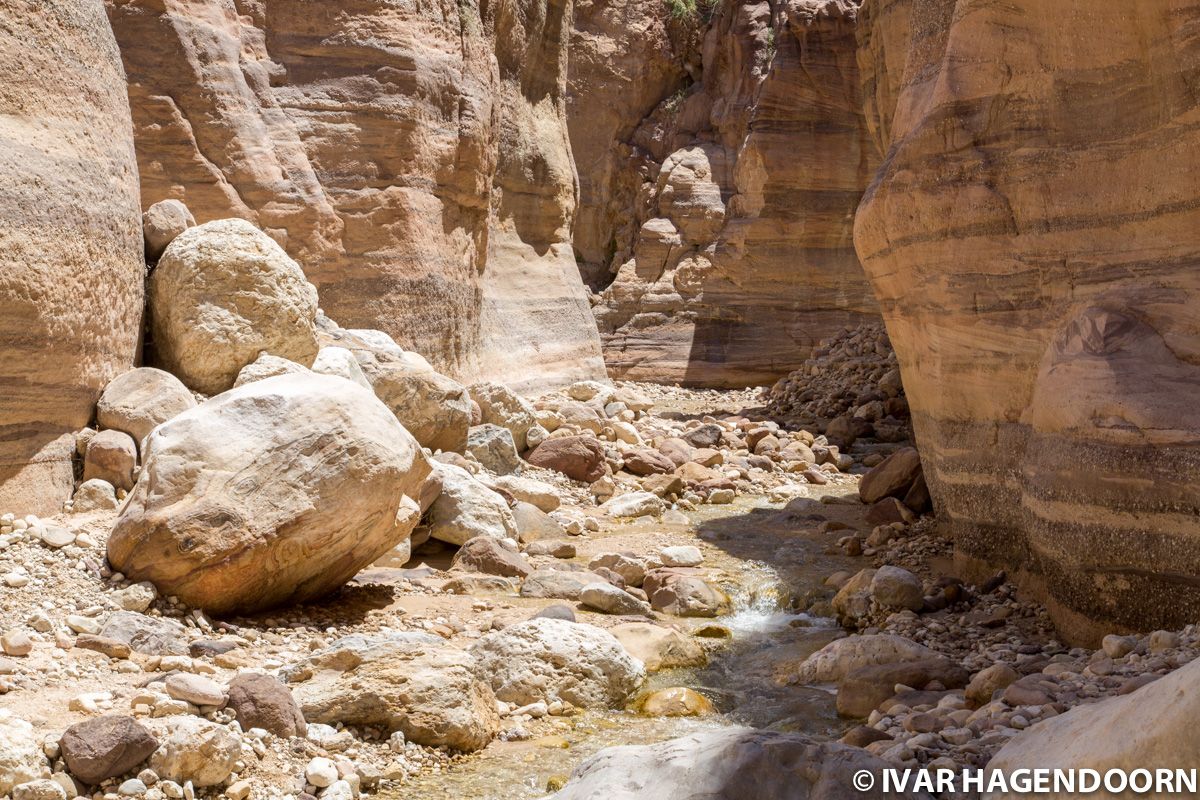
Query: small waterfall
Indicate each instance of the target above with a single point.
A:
(761, 604)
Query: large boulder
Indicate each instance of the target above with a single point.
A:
(862, 690)
(21, 757)
(276, 492)
(105, 747)
(71, 264)
(140, 400)
(493, 447)
(222, 293)
(730, 763)
(500, 405)
(466, 509)
(409, 682)
(553, 659)
(490, 556)
(580, 458)
(1153, 727)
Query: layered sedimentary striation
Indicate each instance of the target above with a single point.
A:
(1030, 237)
(414, 160)
(726, 214)
(70, 239)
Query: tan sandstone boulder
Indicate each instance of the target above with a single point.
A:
(223, 293)
(161, 223)
(276, 492)
(139, 400)
(409, 682)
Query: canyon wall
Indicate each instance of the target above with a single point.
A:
(1032, 237)
(71, 263)
(412, 157)
(720, 163)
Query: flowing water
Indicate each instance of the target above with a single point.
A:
(771, 561)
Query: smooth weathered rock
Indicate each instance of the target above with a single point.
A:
(140, 400)
(552, 659)
(246, 500)
(193, 749)
(111, 456)
(195, 689)
(433, 407)
(648, 462)
(490, 556)
(409, 682)
(634, 504)
(267, 366)
(527, 490)
(466, 509)
(105, 747)
(1050, 387)
(603, 596)
(840, 657)
(580, 458)
(895, 587)
(222, 293)
(891, 478)
(557, 583)
(658, 647)
(161, 223)
(690, 596)
(261, 701)
(341, 362)
(1152, 728)
(681, 556)
(71, 265)
(731, 762)
(535, 525)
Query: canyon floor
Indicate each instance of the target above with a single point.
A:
(821, 624)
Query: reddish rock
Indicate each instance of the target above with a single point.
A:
(580, 458)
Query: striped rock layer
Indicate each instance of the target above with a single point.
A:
(723, 217)
(412, 157)
(1033, 237)
(71, 264)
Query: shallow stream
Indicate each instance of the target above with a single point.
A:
(771, 558)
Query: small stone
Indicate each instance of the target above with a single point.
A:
(321, 772)
(196, 690)
(681, 556)
(238, 790)
(40, 789)
(16, 643)
(132, 788)
(611, 600)
(82, 624)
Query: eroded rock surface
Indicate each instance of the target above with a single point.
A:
(1043, 322)
(71, 262)
(413, 160)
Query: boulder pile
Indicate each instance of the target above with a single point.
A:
(848, 388)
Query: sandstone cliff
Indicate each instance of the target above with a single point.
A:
(413, 159)
(70, 239)
(1031, 239)
(726, 212)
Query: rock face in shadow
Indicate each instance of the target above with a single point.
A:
(723, 217)
(70, 239)
(414, 160)
(1030, 239)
